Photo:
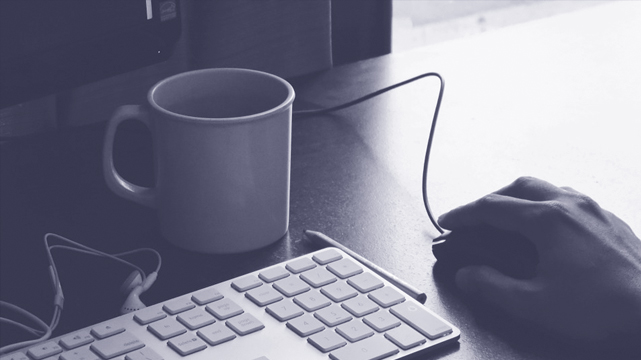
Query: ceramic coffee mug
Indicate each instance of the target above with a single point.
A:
(222, 146)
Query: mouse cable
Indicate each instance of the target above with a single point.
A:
(429, 139)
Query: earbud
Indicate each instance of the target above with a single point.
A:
(134, 279)
(133, 302)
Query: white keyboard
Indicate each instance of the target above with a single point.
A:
(320, 305)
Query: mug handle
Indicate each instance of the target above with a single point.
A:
(140, 194)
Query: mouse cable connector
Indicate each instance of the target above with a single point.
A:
(429, 139)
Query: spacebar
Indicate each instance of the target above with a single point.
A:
(374, 348)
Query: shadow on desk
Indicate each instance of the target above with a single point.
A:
(528, 338)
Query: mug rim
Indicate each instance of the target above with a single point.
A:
(280, 107)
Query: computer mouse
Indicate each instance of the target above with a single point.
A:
(508, 252)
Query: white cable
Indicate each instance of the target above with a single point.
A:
(47, 330)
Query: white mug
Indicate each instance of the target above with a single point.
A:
(222, 149)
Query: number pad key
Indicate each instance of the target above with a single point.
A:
(312, 300)
(318, 277)
(405, 337)
(339, 291)
(333, 315)
(422, 320)
(365, 282)
(305, 325)
(327, 256)
(327, 340)
(360, 306)
(381, 321)
(300, 265)
(263, 295)
(284, 310)
(368, 349)
(291, 286)
(354, 330)
(344, 268)
(386, 296)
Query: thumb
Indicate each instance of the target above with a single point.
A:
(493, 287)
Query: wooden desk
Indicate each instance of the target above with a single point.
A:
(556, 98)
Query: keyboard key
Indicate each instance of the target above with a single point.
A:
(381, 321)
(246, 282)
(178, 305)
(102, 331)
(405, 337)
(345, 268)
(76, 339)
(43, 350)
(206, 296)
(365, 282)
(354, 331)
(312, 300)
(224, 309)
(339, 291)
(146, 353)
(196, 318)
(216, 334)
(245, 324)
(116, 345)
(187, 344)
(386, 296)
(420, 319)
(369, 349)
(327, 340)
(15, 356)
(291, 286)
(263, 295)
(300, 265)
(305, 325)
(327, 256)
(333, 315)
(273, 274)
(149, 315)
(79, 354)
(360, 306)
(166, 328)
(284, 310)
(318, 277)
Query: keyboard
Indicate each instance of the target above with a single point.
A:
(318, 306)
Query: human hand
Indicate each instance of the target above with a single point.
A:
(588, 280)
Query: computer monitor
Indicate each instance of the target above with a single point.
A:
(47, 46)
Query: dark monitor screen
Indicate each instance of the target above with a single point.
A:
(47, 46)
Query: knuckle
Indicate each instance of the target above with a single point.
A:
(585, 202)
(552, 210)
(524, 181)
(487, 201)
